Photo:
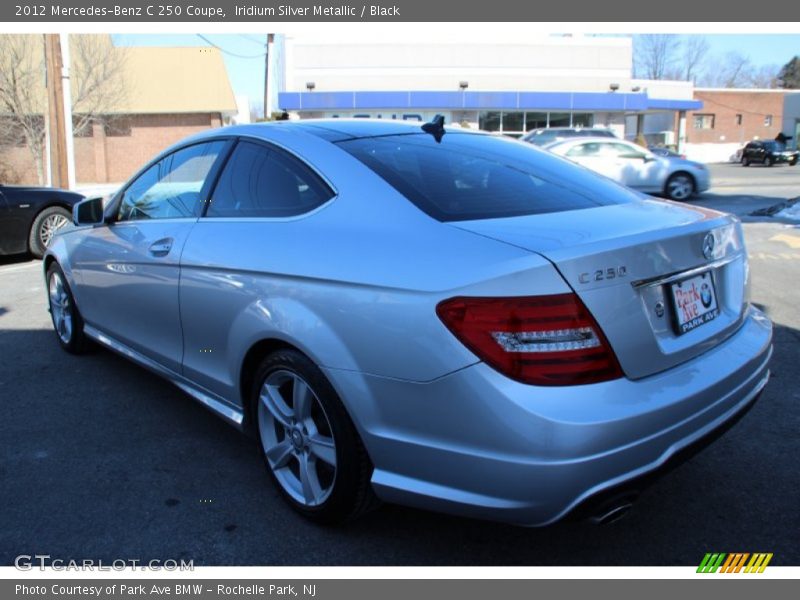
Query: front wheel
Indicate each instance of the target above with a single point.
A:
(745, 162)
(680, 186)
(44, 227)
(308, 442)
(67, 321)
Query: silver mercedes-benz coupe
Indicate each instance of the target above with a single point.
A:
(433, 317)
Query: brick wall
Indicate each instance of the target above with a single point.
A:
(753, 106)
(113, 156)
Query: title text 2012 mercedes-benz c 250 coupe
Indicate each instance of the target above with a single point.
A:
(427, 316)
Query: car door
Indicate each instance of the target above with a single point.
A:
(597, 156)
(755, 152)
(233, 264)
(129, 269)
(15, 217)
(7, 233)
(639, 168)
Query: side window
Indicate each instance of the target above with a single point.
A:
(625, 151)
(171, 188)
(582, 150)
(260, 182)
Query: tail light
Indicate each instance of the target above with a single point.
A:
(541, 340)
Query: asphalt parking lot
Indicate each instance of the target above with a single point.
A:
(100, 459)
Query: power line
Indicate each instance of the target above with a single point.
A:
(221, 49)
(251, 39)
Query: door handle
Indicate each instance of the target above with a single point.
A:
(161, 247)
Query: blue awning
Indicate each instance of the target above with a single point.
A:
(455, 100)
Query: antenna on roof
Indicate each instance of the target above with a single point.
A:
(435, 127)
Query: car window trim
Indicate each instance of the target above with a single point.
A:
(271, 147)
(112, 209)
(274, 145)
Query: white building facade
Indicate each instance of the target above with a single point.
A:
(504, 86)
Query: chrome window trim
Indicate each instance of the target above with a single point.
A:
(295, 155)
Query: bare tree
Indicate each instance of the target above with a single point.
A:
(695, 49)
(22, 98)
(97, 74)
(765, 77)
(655, 55)
(97, 77)
(733, 70)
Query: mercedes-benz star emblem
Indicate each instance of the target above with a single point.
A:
(708, 246)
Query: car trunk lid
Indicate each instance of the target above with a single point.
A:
(641, 270)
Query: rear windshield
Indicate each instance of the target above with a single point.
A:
(468, 176)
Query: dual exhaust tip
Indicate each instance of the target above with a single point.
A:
(610, 510)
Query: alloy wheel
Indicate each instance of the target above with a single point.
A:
(49, 227)
(680, 187)
(60, 307)
(297, 438)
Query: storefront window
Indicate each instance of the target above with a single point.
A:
(535, 120)
(582, 119)
(513, 122)
(489, 121)
(559, 119)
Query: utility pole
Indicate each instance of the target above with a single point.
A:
(55, 106)
(268, 48)
(67, 102)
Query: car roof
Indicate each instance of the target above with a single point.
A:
(334, 130)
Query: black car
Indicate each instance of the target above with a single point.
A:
(29, 216)
(768, 153)
(540, 137)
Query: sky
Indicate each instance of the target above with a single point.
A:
(244, 53)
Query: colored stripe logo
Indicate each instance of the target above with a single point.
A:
(736, 562)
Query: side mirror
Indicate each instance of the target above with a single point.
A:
(88, 212)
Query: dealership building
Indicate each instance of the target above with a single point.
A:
(504, 86)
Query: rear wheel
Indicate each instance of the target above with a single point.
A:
(67, 321)
(44, 226)
(770, 161)
(311, 447)
(679, 186)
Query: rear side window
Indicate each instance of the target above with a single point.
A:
(258, 181)
(470, 176)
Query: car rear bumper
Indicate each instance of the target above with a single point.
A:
(478, 444)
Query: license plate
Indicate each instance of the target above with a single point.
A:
(694, 302)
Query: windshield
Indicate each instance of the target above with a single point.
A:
(470, 176)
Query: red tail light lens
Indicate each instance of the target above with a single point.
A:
(541, 340)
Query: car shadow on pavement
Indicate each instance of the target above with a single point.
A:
(13, 259)
(102, 459)
(739, 204)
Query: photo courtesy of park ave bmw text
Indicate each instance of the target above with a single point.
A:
(372, 288)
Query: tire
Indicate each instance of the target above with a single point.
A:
(770, 162)
(311, 448)
(679, 187)
(792, 162)
(745, 162)
(67, 320)
(44, 226)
